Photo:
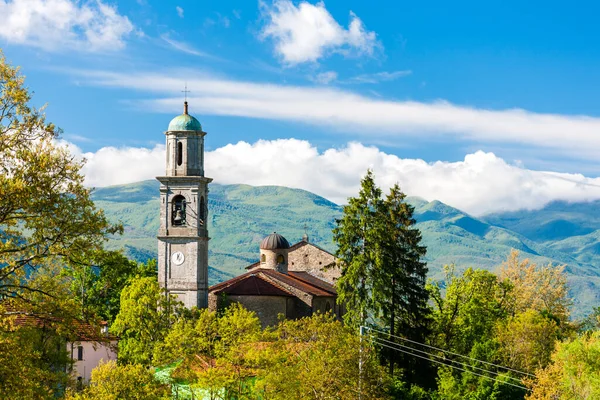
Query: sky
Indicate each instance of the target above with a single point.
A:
(487, 106)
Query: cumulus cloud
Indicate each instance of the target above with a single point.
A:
(179, 11)
(481, 183)
(347, 111)
(58, 24)
(308, 32)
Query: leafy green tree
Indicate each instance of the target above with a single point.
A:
(469, 309)
(34, 328)
(574, 372)
(527, 340)
(122, 382)
(98, 283)
(46, 213)
(465, 321)
(318, 358)
(145, 318)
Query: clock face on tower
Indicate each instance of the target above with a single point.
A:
(177, 258)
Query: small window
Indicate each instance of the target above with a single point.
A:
(263, 258)
(280, 259)
(327, 307)
(79, 353)
(179, 153)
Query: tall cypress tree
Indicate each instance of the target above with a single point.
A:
(356, 236)
(383, 275)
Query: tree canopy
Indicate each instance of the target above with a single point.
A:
(46, 214)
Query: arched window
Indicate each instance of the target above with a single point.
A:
(179, 153)
(263, 258)
(280, 259)
(178, 211)
(201, 219)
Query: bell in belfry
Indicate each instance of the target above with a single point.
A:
(178, 220)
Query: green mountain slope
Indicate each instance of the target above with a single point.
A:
(241, 215)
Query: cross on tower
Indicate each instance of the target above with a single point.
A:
(185, 91)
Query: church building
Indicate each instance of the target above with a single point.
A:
(294, 281)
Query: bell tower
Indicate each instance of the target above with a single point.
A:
(183, 234)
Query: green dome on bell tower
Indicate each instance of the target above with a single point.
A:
(184, 122)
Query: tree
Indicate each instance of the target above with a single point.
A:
(465, 321)
(543, 289)
(401, 276)
(380, 254)
(145, 317)
(34, 328)
(122, 382)
(97, 284)
(527, 340)
(383, 275)
(46, 214)
(318, 358)
(574, 372)
(357, 236)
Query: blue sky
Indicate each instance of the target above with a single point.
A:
(512, 84)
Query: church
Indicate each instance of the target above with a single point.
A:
(290, 280)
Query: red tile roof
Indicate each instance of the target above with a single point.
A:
(253, 285)
(296, 283)
(83, 331)
(273, 277)
(313, 280)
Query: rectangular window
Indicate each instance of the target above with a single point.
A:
(79, 353)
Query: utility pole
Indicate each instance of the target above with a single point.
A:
(360, 362)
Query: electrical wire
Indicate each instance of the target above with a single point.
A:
(450, 352)
(455, 367)
(443, 358)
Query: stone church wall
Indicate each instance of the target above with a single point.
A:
(313, 260)
(267, 308)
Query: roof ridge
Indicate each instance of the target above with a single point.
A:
(310, 283)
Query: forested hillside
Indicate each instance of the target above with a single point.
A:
(241, 215)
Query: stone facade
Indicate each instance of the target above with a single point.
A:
(305, 256)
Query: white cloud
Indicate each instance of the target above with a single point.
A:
(570, 135)
(325, 77)
(377, 77)
(308, 32)
(182, 46)
(179, 11)
(59, 24)
(480, 184)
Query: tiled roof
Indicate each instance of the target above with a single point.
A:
(313, 280)
(253, 285)
(296, 283)
(272, 277)
(83, 331)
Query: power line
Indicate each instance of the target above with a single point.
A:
(450, 352)
(455, 367)
(443, 358)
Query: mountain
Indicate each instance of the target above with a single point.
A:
(241, 215)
